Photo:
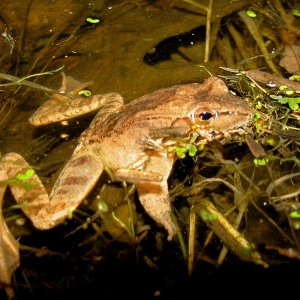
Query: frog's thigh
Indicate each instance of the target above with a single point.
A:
(73, 184)
(154, 196)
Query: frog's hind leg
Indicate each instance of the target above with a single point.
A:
(76, 180)
(26, 187)
(154, 196)
(61, 107)
(74, 183)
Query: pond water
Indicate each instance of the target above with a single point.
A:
(133, 48)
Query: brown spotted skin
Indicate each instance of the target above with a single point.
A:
(116, 141)
(72, 186)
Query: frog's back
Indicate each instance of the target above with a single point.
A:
(120, 137)
(154, 110)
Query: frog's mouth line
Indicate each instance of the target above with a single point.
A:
(206, 136)
(195, 137)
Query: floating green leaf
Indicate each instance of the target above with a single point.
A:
(21, 180)
(289, 92)
(294, 78)
(275, 97)
(27, 175)
(208, 217)
(258, 126)
(260, 161)
(92, 20)
(295, 214)
(270, 140)
(181, 151)
(257, 116)
(251, 13)
(296, 12)
(192, 149)
(258, 105)
(102, 206)
(283, 87)
(86, 93)
(292, 102)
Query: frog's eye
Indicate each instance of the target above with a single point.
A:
(205, 116)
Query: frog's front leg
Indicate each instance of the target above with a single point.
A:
(154, 195)
(74, 183)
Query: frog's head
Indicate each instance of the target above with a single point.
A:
(218, 110)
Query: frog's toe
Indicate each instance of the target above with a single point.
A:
(155, 200)
(171, 228)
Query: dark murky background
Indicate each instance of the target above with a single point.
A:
(136, 48)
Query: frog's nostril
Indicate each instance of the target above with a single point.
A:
(205, 116)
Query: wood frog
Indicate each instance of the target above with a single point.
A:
(117, 140)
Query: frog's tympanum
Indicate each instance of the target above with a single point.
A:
(117, 141)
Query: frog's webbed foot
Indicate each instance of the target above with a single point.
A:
(60, 107)
(154, 196)
(68, 104)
